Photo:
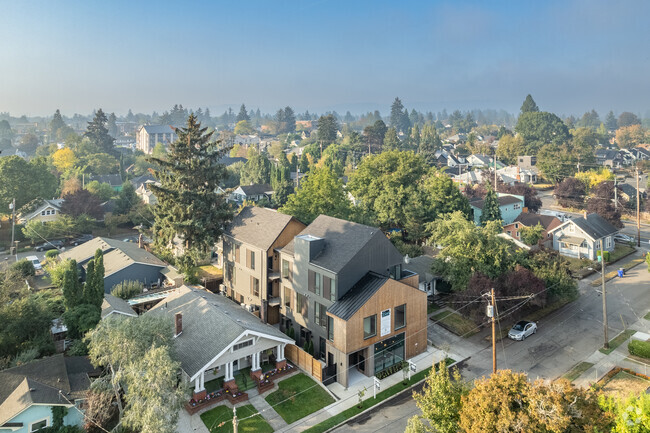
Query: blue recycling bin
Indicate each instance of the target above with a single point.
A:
(621, 272)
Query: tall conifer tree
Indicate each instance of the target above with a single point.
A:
(490, 211)
(188, 205)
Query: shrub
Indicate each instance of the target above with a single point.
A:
(127, 289)
(24, 268)
(405, 248)
(639, 348)
(51, 254)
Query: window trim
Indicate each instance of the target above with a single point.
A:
(395, 326)
(374, 320)
(47, 424)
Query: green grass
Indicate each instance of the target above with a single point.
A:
(432, 307)
(219, 420)
(456, 323)
(370, 401)
(292, 407)
(647, 316)
(620, 251)
(577, 370)
(617, 341)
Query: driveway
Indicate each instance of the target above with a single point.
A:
(566, 337)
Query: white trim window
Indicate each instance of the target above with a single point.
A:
(608, 241)
(37, 425)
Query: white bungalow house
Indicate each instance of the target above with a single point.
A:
(46, 211)
(215, 337)
(582, 237)
(252, 193)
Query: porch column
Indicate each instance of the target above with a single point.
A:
(229, 379)
(256, 370)
(280, 362)
(199, 387)
(202, 380)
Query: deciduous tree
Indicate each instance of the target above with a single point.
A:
(570, 193)
(81, 202)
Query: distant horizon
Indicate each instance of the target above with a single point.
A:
(572, 56)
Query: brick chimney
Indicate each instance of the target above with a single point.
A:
(178, 322)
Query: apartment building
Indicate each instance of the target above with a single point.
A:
(249, 257)
(344, 288)
(148, 135)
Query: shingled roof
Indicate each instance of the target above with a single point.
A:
(503, 201)
(211, 323)
(595, 226)
(112, 304)
(343, 240)
(258, 226)
(39, 382)
(532, 219)
(117, 254)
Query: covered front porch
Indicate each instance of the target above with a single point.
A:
(574, 246)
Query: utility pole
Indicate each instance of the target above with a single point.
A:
(602, 275)
(495, 172)
(235, 421)
(638, 211)
(491, 313)
(13, 222)
(615, 194)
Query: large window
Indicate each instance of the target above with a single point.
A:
(251, 260)
(330, 328)
(303, 305)
(36, 426)
(332, 290)
(320, 318)
(237, 248)
(255, 286)
(315, 283)
(389, 352)
(286, 269)
(400, 316)
(370, 326)
(287, 298)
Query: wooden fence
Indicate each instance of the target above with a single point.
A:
(305, 361)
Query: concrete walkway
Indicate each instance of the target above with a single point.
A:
(269, 414)
(348, 397)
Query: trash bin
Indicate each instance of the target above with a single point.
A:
(621, 272)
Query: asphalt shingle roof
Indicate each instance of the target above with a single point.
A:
(210, 324)
(117, 254)
(595, 226)
(532, 219)
(113, 304)
(343, 240)
(40, 381)
(258, 226)
(357, 296)
(260, 188)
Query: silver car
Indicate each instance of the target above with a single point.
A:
(522, 329)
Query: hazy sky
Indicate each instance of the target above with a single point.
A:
(571, 55)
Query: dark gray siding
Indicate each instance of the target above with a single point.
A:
(146, 274)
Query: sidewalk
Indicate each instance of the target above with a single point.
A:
(604, 363)
(348, 397)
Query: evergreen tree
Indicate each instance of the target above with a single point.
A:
(490, 211)
(72, 290)
(98, 279)
(97, 132)
(112, 125)
(398, 119)
(88, 290)
(126, 199)
(429, 143)
(188, 205)
(243, 114)
(256, 170)
(415, 136)
(56, 124)
(327, 127)
(610, 121)
(290, 120)
(391, 142)
(529, 105)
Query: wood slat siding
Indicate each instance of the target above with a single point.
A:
(304, 361)
(348, 336)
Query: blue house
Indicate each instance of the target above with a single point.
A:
(511, 206)
(28, 393)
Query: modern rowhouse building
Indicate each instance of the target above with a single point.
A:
(344, 290)
(248, 258)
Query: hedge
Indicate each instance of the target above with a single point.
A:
(639, 348)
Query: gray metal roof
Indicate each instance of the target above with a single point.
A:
(113, 304)
(595, 226)
(210, 324)
(421, 265)
(256, 189)
(343, 240)
(358, 295)
(258, 226)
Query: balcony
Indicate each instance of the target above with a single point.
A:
(274, 301)
(275, 275)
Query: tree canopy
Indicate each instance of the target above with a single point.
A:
(529, 105)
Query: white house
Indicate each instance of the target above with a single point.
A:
(48, 210)
(582, 237)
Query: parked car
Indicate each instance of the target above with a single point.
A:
(50, 245)
(35, 262)
(81, 239)
(621, 237)
(522, 329)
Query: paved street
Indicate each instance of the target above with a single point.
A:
(565, 338)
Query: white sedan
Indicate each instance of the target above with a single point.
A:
(522, 329)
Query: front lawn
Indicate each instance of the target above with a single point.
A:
(456, 323)
(620, 251)
(617, 341)
(624, 384)
(219, 420)
(298, 397)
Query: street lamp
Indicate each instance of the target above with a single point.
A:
(602, 276)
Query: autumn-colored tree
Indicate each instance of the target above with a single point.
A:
(81, 202)
(64, 159)
(631, 136)
(570, 192)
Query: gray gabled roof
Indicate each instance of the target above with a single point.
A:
(159, 129)
(343, 240)
(595, 226)
(113, 304)
(257, 189)
(122, 254)
(39, 382)
(357, 296)
(421, 265)
(258, 226)
(211, 323)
